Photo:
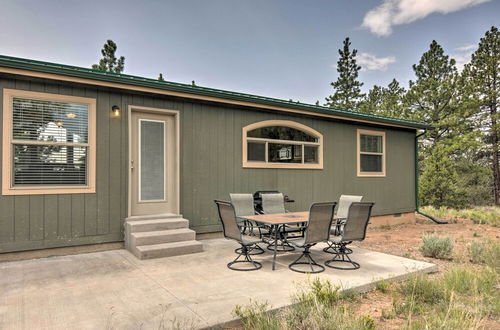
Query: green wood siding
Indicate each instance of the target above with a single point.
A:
(42, 221)
(211, 168)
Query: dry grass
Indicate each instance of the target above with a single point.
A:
(481, 215)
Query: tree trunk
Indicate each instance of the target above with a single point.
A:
(496, 166)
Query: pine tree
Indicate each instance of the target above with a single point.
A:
(436, 97)
(372, 102)
(385, 101)
(483, 73)
(347, 88)
(431, 97)
(160, 77)
(109, 62)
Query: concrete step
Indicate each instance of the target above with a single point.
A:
(162, 236)
(167, 249)
(156, 224)
(153, 216)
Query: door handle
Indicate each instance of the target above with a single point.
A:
(131, 164)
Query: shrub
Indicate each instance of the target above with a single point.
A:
(452, 317)
(317, 306)
(318, 291)
(255, 316)
(423, 289)
(485, 252)
(382, 286)
(435, 246)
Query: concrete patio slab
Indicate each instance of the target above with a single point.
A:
(114, 290)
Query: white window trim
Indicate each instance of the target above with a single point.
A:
(286, 123)
(7, 185)
(358, 153)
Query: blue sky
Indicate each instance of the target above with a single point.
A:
(281, 48)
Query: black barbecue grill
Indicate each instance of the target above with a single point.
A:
(257, 198)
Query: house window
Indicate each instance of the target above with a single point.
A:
(371, 153)
(49, 144)
(282, 144)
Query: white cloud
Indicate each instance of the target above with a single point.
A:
(381, 19)
(370, 62)
(466, 48)
(463, 54)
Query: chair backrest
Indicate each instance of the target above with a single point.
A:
(227, 216)
(273, 203)
(357, 221)
(344, 203)
(320, 220)
(243, 204)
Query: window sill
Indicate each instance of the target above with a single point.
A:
(48, 190)
(283, 166)
(371, 175)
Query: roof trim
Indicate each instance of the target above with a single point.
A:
(49, 70)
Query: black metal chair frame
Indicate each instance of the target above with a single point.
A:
(306, 254)
(341, 254)
(255, 250)
(245, 248)
(332, 247)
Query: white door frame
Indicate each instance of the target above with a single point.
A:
(176, 115)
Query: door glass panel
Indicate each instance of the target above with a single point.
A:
(152, 163)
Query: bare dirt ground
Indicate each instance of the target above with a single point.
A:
(405, 240)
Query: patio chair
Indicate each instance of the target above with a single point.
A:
(274, 203)
(345, 202)
(317, 230)
(353, 230)
(232, 231)
(243, 205)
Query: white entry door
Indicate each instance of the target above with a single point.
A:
(152, 163)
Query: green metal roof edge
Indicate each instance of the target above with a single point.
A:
(74, 71)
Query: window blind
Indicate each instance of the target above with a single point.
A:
(50, 142)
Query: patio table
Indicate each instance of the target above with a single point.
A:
(278, 221)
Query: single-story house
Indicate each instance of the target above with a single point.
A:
(85, 151)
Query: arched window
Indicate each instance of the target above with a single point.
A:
(282, 144)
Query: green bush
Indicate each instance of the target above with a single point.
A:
(435, 246)
(382, 286)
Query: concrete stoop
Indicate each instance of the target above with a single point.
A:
(160, 235)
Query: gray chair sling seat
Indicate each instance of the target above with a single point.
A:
(345, 202)
(274, 203)
(317, 230)
(353, 230)
(232, 231)
(244, 205)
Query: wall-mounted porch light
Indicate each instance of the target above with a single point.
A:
(115, 111)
